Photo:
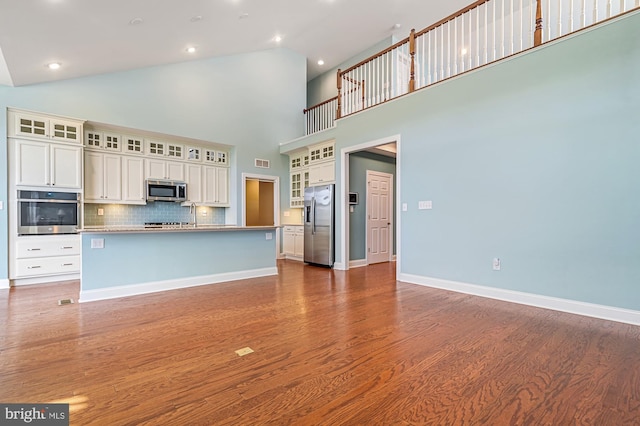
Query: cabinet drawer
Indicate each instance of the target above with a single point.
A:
(30, 247)
(47, 266)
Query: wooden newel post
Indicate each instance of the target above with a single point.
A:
(412, 52)
(339, 110)
(537, 35)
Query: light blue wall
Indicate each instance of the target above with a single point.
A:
(325, 86)
(150, 257)
(359, 163)
(533, 160)
(252, 101)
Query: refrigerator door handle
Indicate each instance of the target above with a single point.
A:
(313, 221)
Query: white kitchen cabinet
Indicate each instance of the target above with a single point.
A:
(322, 152)
(24, 124)
(102, 177)
(133, 145)
(162, 169)
(298, 182)
(216, 186)
(37, 256)
(103, 140)
(133, 191)
(194, 183)
(48, 164)
(322, 173)
(293, 242)
(220, 158)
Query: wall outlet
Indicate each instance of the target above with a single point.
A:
(269, 236)
(97, 243)
(496, 263)
(100, 212)
(286, 213)
(1, 205)
(405, 207)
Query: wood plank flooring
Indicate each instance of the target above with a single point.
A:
(331, 348)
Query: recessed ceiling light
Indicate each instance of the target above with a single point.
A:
(191, 49)
(54, 65)
(397, 26)
(320, 62)
(277, 39)
(196, 18)
(135, 21)
(243, 16)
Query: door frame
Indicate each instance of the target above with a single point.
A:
(391, 213)
(276, 197)
(342, 200)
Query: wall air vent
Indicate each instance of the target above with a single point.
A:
(263, 164)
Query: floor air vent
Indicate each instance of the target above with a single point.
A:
(65, 302)
(263, 164)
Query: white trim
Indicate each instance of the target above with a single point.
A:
(174, 284)
(563, 305)
(4, 284)
(339, 266)
(343, 204)
(44, 280)
(358, 263)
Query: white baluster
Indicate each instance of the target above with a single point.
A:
(477, 9)
(470, 42)
(595, 11)
(583, 14)
(493, 27)
(502, 48)
(571, 16)
(548, 20)
(429, 61)
(608, 8)
(486, 32)
(441, 52)
(559, 18)
(522, 32)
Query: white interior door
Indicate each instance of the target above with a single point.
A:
(379, 216)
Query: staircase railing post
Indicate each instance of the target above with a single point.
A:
(537, 35)
(339, 109)
(412, 52)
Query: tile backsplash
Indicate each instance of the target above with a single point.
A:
(124, 214)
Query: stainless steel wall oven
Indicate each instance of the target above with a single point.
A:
(45, 212)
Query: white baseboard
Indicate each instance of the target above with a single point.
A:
(44, 280)
(154, 287)
(358, 263)
(290, 257)
(4, 284)
(564, 305)
(339, 266)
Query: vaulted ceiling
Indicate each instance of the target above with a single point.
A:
(89, 37)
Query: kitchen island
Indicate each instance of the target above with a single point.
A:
(130, 260)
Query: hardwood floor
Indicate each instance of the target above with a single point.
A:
(331, 348)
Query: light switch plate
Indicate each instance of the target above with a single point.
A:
(100, 212)
(286, 214)
(425, 205)
(405, 207)
(496, 263)
(1, 205)
(269, 236)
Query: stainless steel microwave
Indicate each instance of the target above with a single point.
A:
(166, 190)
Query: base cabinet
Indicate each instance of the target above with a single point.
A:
(37, 256)
(293, 242)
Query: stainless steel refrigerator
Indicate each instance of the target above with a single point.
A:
(319, 225)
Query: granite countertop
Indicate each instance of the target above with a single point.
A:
(170, 228)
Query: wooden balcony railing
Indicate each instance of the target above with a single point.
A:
(486, 31)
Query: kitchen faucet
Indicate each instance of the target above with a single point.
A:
(194, 216)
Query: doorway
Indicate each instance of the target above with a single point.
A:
(261, 199)
(354, 255)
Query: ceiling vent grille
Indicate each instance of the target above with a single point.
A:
(263, 164)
